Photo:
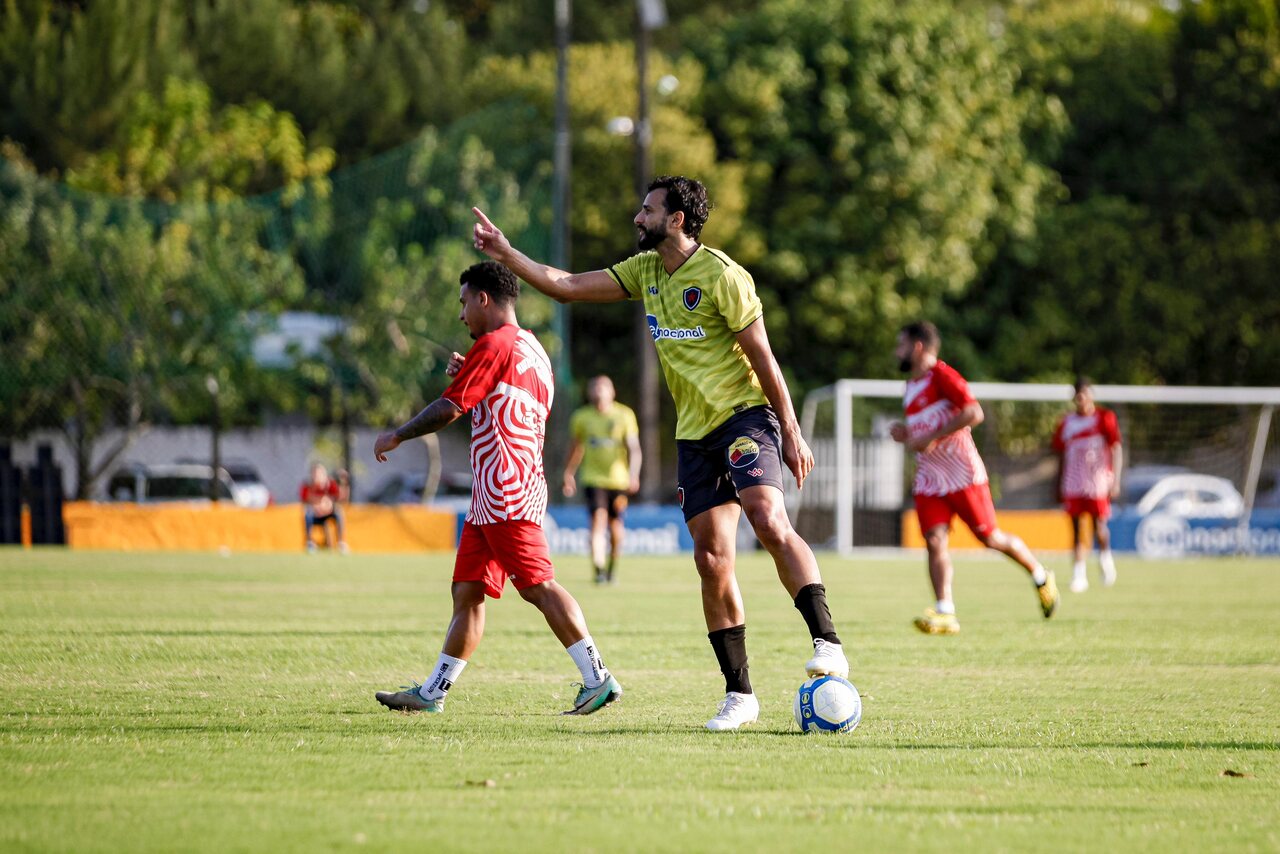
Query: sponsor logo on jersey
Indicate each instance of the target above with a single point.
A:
(692, 296)
(671, 333)
(653, 290)
(743, 452)
(680, 495)
(756, 472)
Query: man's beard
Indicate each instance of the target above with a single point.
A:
(650, 238)
(905, 366)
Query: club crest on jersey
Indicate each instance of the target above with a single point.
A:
(743, 452)
(680, 495)
(692, 296)
(653, 290)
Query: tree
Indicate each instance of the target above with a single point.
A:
(178, 148)
(120, 308)
(69, 71)
(1152, 270)
(360, 78)
(887, 165)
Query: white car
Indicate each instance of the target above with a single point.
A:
(1193, 496)
(162, 483)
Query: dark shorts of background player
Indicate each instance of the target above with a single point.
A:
(612, 501)
(744, 451)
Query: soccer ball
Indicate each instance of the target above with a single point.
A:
(827, 704)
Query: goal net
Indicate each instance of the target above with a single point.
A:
(1201, 465)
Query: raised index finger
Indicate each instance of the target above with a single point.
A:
(484, 220)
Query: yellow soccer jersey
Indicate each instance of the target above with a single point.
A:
(694, 315)
(603, 436)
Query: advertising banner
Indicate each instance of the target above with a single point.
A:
(1164, 535)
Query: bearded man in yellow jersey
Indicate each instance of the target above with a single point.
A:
(604, 455)
(735, 425)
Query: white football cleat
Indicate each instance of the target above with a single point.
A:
(828, 660)
(735, 710)
(1079, 584)
(1108, 564)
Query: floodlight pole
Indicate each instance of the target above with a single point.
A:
(560, 234)
(650, 14)
(562, 159)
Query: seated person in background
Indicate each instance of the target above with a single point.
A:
(322, 499)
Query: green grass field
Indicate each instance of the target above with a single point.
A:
(192, 702)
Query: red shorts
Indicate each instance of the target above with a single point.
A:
(972, 504)
(492, 553)
(1098, 508)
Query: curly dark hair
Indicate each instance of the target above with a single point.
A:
(686, 196)
(497, 281)
(924, 332)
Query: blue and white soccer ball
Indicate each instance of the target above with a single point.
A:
(828, 704)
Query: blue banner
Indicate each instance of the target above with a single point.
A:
(652, 529)
(1163, 535)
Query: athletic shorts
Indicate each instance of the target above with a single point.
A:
(972, 504)
(493, 553)
(611, 501)
(744, 451)
(1099, 508)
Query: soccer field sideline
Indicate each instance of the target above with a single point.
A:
(154, 702)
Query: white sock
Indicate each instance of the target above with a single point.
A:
(446, 672)
(945, 606)
(1107, 561)
(1039, 576)
(587, 657)
(1078, 570)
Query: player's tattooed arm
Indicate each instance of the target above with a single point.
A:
(437, 415)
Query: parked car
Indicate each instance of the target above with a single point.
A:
(453, 492)
(172, 482)
(1136, 481)
(1193, 496)
(246, 483)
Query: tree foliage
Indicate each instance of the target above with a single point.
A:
(883, 144)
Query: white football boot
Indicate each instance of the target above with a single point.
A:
(1079, 578)
(828, 660)
(1108, 569)
(735, 710)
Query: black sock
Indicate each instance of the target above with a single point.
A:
(811, 602)
(730, 646)
(609, 569)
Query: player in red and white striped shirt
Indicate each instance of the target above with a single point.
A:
(950, 477)
(1090, 457)
(505, 383)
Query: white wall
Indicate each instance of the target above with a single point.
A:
(281, 454)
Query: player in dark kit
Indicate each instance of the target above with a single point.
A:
(736, 428)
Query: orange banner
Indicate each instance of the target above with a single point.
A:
(1041, 530)
(208, 527)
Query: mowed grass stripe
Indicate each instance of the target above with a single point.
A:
(193, 702)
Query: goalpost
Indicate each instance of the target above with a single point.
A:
(860, 484)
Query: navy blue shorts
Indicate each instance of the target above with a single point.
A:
(612, 501)
(744, 451)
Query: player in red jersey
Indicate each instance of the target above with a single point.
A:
(505, 384)
(1090, 458)
(950, 477)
